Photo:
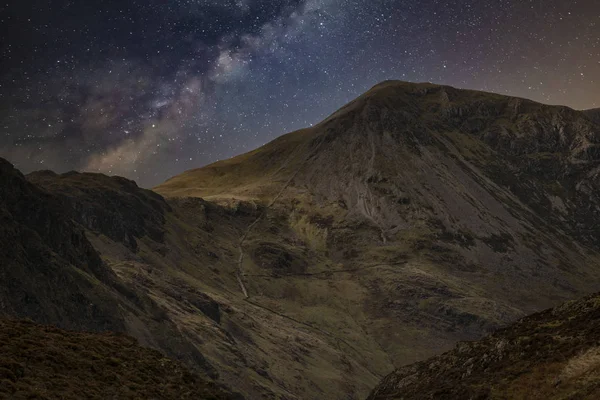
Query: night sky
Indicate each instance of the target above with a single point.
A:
(147, 89)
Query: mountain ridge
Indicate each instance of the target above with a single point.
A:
(423, 86)
(56, 275)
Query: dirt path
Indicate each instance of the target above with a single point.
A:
(240, 268)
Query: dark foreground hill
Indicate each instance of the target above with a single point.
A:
(44, 362)
(554, 354)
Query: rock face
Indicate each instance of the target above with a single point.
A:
(550, 355)
(112, 206)
(49, 269)
(415, 217)
(45, 362)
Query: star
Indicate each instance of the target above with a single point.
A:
(126, 87)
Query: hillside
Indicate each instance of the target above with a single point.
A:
(415, 217)
(44, 362)
(187, 269)
(550, 355)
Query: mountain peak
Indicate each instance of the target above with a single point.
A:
(409, 115)
(406, 85)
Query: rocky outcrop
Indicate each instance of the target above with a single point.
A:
(50, 271)
(113, 206)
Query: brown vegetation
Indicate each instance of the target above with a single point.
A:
(43, 362)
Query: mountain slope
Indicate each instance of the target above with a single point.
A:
(188, 270)
(45, 362)
(395, 132)
(43, 251)
(430, 214)
(550, 355)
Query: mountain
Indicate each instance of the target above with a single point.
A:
(415, 217)
(44, 362)
(181, 256)
(549, 355)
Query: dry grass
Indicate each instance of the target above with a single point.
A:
(582, 364)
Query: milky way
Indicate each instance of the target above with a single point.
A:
(148, 89)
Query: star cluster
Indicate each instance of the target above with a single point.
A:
(148, 89)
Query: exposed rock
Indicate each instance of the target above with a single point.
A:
(113, 206)
(47, 265)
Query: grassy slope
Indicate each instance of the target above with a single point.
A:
(243, 177)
